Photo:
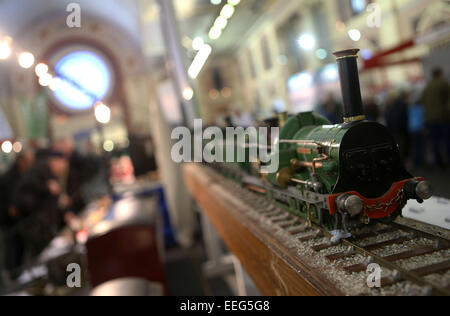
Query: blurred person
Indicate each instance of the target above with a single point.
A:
(416, 126)
(42, 153)
(331, 109)
(371, 110)
(437, 114)
(40, 201)
(9, 182)
(65, 146)
(229, 121)
(142, 151)
(9, 217)
(41, 149)
(396, 116)
(80, 169)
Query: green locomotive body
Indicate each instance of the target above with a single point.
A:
(296, 147)
(324, 162)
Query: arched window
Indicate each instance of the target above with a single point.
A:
(86, 78)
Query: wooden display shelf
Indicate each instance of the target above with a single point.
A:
(275, 268)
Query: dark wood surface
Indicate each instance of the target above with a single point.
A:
(275, 268)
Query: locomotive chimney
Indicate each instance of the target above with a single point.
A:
(350, 87)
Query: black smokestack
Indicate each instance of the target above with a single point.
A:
(351, 89)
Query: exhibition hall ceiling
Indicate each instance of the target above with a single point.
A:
(139, 19)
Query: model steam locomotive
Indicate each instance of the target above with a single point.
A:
(338, 176)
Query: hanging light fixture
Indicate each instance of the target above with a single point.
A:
(26, 60)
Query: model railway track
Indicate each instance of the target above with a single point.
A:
(394, 236)
(398, 273)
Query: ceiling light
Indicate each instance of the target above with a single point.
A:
(7, 147)
(330, 73)
(45, 80)
(102, 113)
(321, 53)
(227, 11)
(41, 69)
(5, 50)
(366, 54)
(188, 93)
(26, 60)
(108, 146)
(307, 41)
(17, 147)
(234, 2)
(354, 34)
(197, 43)
(221, 22)
(216, 2)
(215, 33)
(213, 94)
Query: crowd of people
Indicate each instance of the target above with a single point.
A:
(423, 117)
(38, 195)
